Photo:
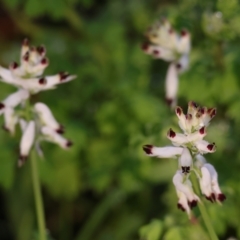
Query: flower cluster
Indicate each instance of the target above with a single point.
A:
(189, 148)
(168, 45)
(37, 123)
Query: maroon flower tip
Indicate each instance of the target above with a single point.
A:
(5, 128)
(13, 65)
(178, 66)
(221, 197)
(147, 149)
(171, 133)
(42, 81)
(69, 143)
(145, 46)
(40, 49)
(179, 111)
(209, 198)
(26, 57)
(2, 105)
(63, 76)
(25, 42)
(186, 169)
(169, 101)
(212, 112)
(170, 31)
(192, 204)
(202, 130)
(211, 146)
(213, 197)
(184, 33)
(156, 52)
(32, 49)
(60, 130)
(179, 206)
(21, 160)
(44, 61)
(188, 116)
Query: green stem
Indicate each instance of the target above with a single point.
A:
(38, 197)
(204, 213)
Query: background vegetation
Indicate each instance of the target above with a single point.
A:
(105, 188)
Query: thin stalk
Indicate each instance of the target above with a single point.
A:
(38, 197)
(204, 213)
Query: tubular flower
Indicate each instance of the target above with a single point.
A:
(37, 123)
(189, 147)
(166, 44)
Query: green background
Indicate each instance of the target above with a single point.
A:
(105, 187)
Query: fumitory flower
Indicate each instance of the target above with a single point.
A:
(166, 44)
(37, 123)
(189, 147)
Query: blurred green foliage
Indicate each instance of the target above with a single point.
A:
(105, 188)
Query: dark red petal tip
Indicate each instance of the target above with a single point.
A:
(44, 61)
(192, 204)
(25, 42)
(169, 101)
(2, 105)
(179, 111)
(145, 46)
(69, 143)
(202, 130)
(184, 33)
(42, 81)
(221, 197)
(41, 49)
(156, 52)
(209, 198)
(13, 65)
(22, 159)
(147, 149)
(185, 169)
(179, 206)
(26, 57)
(171, 133)
(211, 146)
(60, 130)
(178, 66)
(63, 76)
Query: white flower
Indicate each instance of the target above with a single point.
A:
(187, 198)
(52, 136)
(27, 75)
(169, 46)
(162, 152)
(209, 184)
(26, 142)
(47, 117)
(189, 147)
(185, 161)
(10, 120)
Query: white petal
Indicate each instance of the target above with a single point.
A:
(47, 117)
(197, 135)
(205, 182)
(178, 139)
(16, 98)
(182, 63)
(26, 142)
(171, 84)
(184, 43)
(200, 161)
(184, 188)
(185, 161)
(6, 76)
(162, 152)
(205, 147)
(10, 120)
(52, 136)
